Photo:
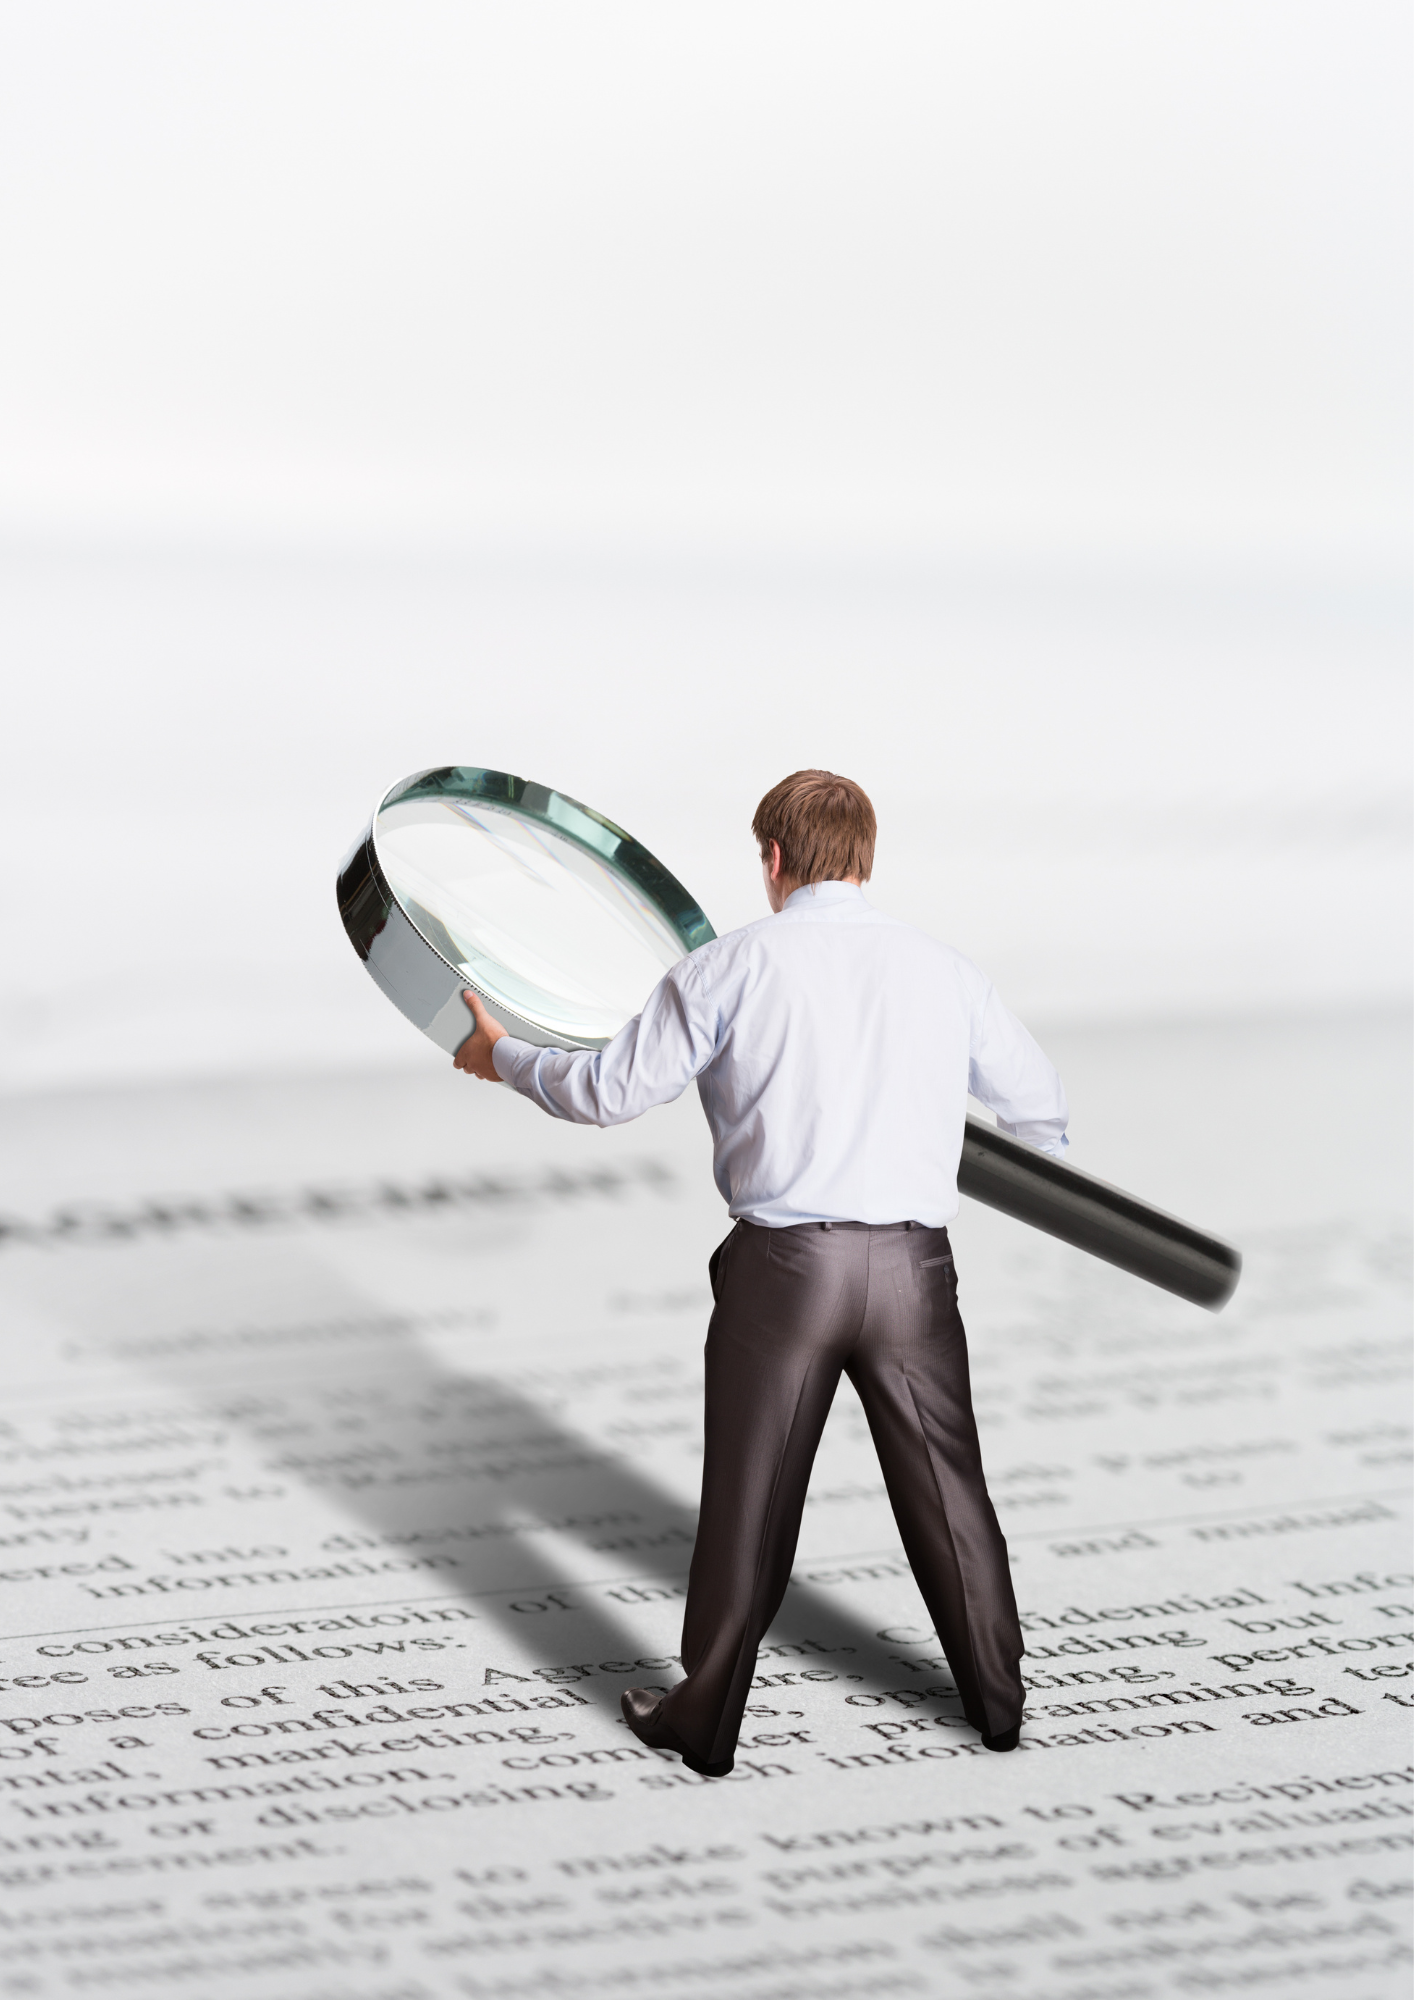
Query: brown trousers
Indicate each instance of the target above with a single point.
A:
(794, 1308)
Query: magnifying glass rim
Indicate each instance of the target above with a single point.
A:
(560, 815)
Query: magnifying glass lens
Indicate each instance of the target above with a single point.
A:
(466, 877)
(541, 924)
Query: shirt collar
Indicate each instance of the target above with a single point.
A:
(816, 894)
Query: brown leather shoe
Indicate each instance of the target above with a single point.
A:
(642, 1713)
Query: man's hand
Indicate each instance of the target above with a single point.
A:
(474, 1055)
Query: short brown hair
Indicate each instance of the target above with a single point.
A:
(825, 827)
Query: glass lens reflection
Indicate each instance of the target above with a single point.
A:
(551, 930)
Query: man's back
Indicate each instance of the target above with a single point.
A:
(833, 1049)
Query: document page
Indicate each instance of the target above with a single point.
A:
(350, 1465)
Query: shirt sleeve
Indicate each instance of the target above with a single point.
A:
(650, 1061)
(1009, 1074)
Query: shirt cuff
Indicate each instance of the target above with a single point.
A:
(1040, 1133)
(506, 1053)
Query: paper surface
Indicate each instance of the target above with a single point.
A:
(349, 1475)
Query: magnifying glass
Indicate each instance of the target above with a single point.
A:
(564, 924)
(560, 920)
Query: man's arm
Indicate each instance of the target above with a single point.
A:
(1009, 1074)
(650, 1061)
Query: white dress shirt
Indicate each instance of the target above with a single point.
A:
(833, 1048)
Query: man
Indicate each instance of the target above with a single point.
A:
(833, 1050)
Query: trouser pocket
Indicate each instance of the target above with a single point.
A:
(716, 1265)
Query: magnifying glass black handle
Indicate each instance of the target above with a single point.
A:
(1062, 1201)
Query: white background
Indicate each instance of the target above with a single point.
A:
(1008, 407)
